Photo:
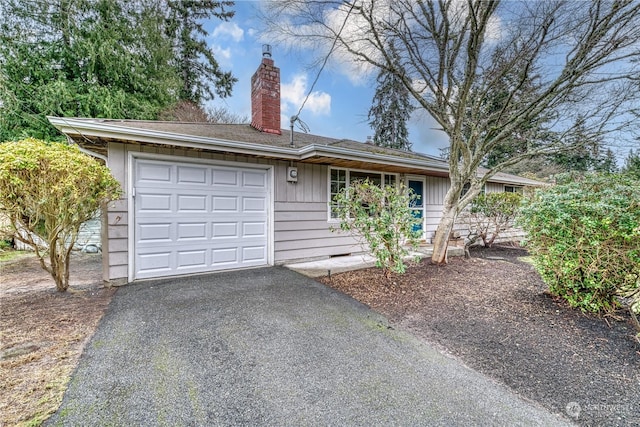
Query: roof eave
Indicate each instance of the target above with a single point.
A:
(351, 154)
(88, 127)
(104, 130)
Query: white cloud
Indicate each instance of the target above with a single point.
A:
(221, 53)
(228, 30)
(315, 36)
(293, 94)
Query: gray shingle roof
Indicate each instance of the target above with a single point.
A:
(306, 147)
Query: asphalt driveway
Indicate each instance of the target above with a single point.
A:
(270, 347)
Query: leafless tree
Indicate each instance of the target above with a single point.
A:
(188, 111)
(488, 71)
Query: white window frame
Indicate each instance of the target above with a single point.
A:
(514, 188)
(348, 171)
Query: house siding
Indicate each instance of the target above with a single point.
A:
(300, 214)
(301, 227)
(435, 192)
(436, 188)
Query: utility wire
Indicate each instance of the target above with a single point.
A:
(324, 63)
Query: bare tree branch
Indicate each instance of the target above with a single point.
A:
(491, 72)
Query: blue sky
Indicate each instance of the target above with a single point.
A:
(340, 101)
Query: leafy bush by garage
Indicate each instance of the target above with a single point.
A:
(584, 237)
(47, 190)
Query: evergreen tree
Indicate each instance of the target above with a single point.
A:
(87, 58)
(586, 154)
(491, 101)
(632, 163)
(608, 163)
(390, 110)
(194, 61)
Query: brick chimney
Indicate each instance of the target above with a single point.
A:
(265, 95)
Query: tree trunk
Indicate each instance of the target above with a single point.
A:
(443, 232)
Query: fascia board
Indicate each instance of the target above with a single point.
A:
(350, 154)
(100, 129)
(103, 130)
(514, 180)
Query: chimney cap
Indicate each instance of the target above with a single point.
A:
(266, 51)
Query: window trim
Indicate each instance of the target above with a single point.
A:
(348, 171)
(515, 188)
(467, 186)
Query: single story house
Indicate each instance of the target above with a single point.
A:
(202, 197)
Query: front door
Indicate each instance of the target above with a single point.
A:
(417, 185)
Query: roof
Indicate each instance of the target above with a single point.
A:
(94, 135)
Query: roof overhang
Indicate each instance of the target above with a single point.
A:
(94, 134)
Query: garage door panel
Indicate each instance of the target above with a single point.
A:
(191, 231)
(191, 203)
(223, 230)
(190, 259)
(197, 218)
(253, 253)
(225, 256)
(254, 204)
(155, 262)
(224, 177)
(225, 204)
(252, 179)
(254, 229)
(192, 175)
(154, 172)
(154, 232)
(154, 202)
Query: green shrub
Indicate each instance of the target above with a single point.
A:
(383, 219)
(489, 216)
(47, 190)
(584, 237)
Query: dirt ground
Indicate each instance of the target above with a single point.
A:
(43, 332)
(493, 313)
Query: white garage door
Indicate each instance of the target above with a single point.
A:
(192, 218)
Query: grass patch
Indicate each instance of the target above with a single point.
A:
(7, 254)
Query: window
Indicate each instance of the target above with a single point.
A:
(467, 186)
(342, 178)
(512, 189)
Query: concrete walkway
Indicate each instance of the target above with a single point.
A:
(335, 265)
(269, 347)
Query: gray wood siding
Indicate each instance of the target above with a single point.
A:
(302, 231)
(436, 189)
(300, 216)
(493, 187)
(301, 227)
(310, 188)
